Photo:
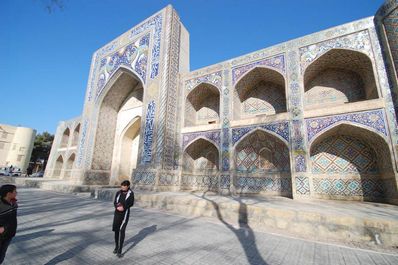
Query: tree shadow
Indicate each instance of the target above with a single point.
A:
(139, 237)
(70, 253)
(27, 237)
(244, 233)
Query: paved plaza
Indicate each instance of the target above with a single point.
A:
(57, 228)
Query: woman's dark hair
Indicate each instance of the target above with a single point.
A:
(6, 189)
(125, 183)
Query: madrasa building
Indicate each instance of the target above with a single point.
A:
(314, 117)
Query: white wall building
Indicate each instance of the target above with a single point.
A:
(16, 145)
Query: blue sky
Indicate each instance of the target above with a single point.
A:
(46, 56)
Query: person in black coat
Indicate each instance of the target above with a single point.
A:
(8, 217)
(124, 199)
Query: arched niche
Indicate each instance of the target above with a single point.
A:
(202, 105)
(262, 164)
(58, 166)
(201, 156)
(69, 166)
(349, 162)
(76, 132)
(65, 138)
(123, 92)
(337, 77)
(261, 91)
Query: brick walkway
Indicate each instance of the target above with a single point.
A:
(57, 228)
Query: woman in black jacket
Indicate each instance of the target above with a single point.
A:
(8, 217)
(124, 199)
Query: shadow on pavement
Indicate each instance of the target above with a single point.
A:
(244, 233)
(140, 236)
(30, 236)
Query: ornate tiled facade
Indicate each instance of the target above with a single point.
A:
(148, 133)
(372, 119)
(313, 117)
(280, 128)
(260, 152)
(343, 154)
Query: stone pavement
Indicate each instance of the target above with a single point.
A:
(57, 228)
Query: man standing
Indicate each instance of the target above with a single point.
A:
(124, 199)
(8, 217)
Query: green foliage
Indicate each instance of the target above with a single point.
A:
(42, 146)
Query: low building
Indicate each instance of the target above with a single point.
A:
(16, 145)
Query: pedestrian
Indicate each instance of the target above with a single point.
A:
(29, 171)
(8, 217)
(124, 199)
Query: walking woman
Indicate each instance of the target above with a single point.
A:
(124, 199)
(8, 217)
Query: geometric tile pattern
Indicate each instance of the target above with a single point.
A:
(168, 97)
(156, 23)
(225, 153)
(375, 188)
(373, 119)
(225, 182)
(213, 79)
(302, 185)
(144, 178)
(225, 149)
(199, 182)
(168, 180)
(280, 128)
(265, 183)
(148, 133)
(277, 62)
(359, 41)
(299, 163)
(386, 25)
(297, 139)
(81, 144)
(213, 136)
(266, 98)
(391, 27)
(343, 154)
(134, 57)
(261, 152)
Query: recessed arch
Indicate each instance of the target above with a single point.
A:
(113, 78)
(69, 166)
(202, 105)
(124, 87)
(58, 166)
(339, 76)
(203, 138)
(201, 155)
(351, 162)
(260, 151)
(265, 131)
(76, 133)
(262, 164)
(261, 91)
(129, 147)
(65, 138)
